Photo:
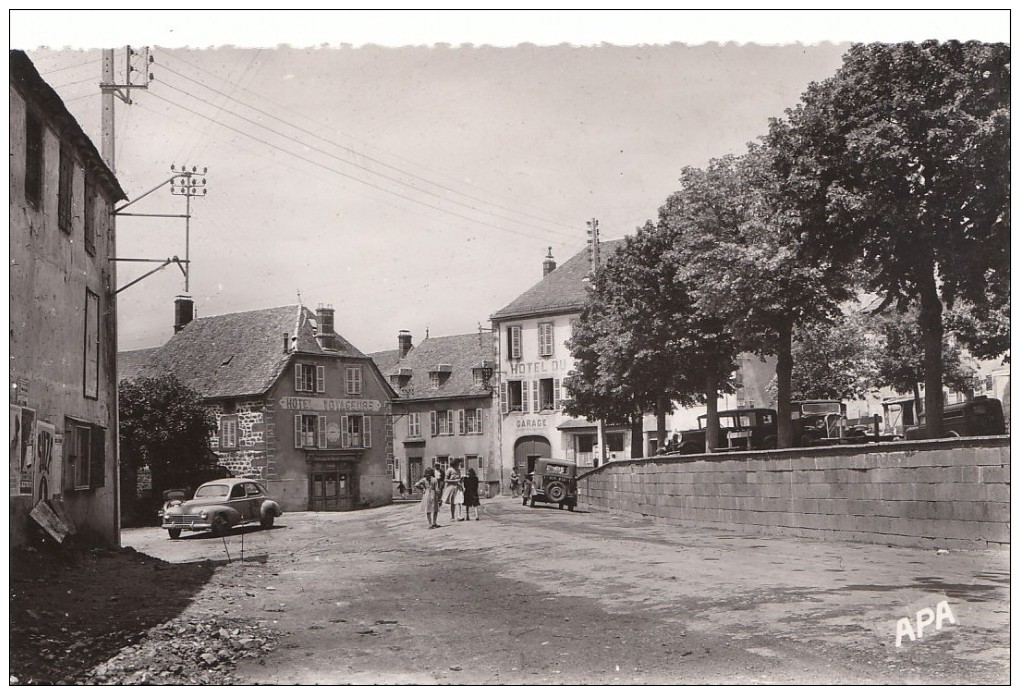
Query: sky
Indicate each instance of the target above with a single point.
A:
(412, 169)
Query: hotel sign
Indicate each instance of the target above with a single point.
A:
(331, 404)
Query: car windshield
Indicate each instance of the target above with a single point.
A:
(212, 491)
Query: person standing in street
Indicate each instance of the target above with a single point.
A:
(529, 484)
(430, 497)
(515, 483)
(471, 494)
(451, 487)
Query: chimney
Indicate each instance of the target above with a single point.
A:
(184, 311)
(326, 335)
(548, 264)
(403, 343)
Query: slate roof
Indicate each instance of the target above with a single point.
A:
(463, 353)
(235, 354)
(563, 289)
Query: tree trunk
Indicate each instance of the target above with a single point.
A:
(930, 321)
(712, 407)
(660, 422)
(784, 372)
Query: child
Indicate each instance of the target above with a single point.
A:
(471, 493)
(529, 484)
(430, 497)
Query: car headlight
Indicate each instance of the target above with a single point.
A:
(203, 514)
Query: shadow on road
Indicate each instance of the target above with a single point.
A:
(71, 610)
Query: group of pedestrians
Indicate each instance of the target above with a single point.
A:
(458, 491)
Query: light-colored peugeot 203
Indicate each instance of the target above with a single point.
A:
(219, 505)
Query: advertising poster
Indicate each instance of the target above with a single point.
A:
(15, 434)
(46, 479)
(27, 457)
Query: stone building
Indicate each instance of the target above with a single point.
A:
(446, 407)
(63, 315)
(296, 405)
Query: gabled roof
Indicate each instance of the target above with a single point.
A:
(463, 353)
(562, 289)
(236, 354)
(32, 86)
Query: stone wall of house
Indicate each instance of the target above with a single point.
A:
(949, 493)
(248, 460)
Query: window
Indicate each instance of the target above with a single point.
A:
(614, 442)
(513, 342)
(89, 221)
(353, 379)
(33, 159)
(545, 339)
(356, 430)
(228, 431)
(309, 431)
(470, 421)
(252, 489)
(549, 394)
(90, 374)
(65, 190)
(309, 377)
(86, 455)
(586, 443)
(433, 380)
(442, 422)
(514, 396)
(414, 424)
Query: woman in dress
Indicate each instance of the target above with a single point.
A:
(471, 494)
(452, 486)
(430, 496)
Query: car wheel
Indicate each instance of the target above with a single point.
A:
(174, 533)
(556, 492)
(952, 434)
(267, 521)
(220, 527)
(769, 443)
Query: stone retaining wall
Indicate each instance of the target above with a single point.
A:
(951, 493)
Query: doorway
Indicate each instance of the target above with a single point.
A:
(527, 450)
(331, 487)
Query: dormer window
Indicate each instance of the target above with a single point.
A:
(482, 373)
(439, 374)
(400, 377)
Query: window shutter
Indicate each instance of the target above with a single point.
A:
(504, 400)
(70, 450)
(345, 433)
(223, 431)
(515, 342)
(551, 340)
(321, 430)
(478, 420)
(366, 430)
(320, 379)
(297, 377)
(357, 380)
(535, 385)
(524, 396)
(556, 393)
(461, 429)
(435, 422)
(298, 439)
(97, 455)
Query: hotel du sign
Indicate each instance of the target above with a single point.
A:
(331, 404)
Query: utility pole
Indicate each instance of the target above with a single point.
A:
(135, 63)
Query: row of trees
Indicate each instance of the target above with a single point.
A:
(889, 178)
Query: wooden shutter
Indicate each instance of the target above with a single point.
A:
(366, 430)
(524, 396)
(461, 428)
(320, 379)
(535, 387)
(321, 431)
(515, 342)
(550, 340)
(556, 393)
(478, 420)
(504, 399)
(357, 380)
(345, 433)
(435, 422)
(297, 377)
(97, 456)
(298, 441)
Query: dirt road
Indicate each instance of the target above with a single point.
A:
(541, 595)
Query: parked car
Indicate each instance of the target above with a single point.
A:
(555, 481)
(980, 416)
(219, 505)
(752, 428)
(823, 422)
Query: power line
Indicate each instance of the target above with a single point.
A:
(343, 174)
(351, 150)
(348, 162)
(70, 66)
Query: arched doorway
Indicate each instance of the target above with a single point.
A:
(528, 449)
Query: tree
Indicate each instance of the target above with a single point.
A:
(165, 427)
(835, 360)
(903, 158)
(630, 344)
(742, 247)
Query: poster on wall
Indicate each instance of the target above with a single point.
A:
(15, 436)
(48, 449)
(27, 451)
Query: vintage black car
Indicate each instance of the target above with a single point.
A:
(980, 416)
(751, 428)
(554, 481)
